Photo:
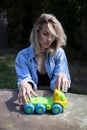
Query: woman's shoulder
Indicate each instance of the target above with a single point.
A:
(60, 51)
(60, 54)
(26, 52)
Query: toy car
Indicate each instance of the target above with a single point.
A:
(56, 103)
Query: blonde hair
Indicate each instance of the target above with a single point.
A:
(60, 36)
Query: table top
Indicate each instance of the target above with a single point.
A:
(13, 118)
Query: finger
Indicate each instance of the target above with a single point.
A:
(24, 96)
(20, 100)
(66, 87)
(59, 82)
(34, 94)
(29, 91)
(63, 85)
(29, 95)
(20, 96)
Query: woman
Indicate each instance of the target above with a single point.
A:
(44, 62)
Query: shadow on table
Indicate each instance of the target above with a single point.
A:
(1, 128)
(12, 104)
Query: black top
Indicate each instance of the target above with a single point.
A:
(43, 79)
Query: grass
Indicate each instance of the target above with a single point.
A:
(7, 70)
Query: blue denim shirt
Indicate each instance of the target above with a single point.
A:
(26, 66)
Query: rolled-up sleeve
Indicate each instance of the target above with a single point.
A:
(22, 70)
(61, 65)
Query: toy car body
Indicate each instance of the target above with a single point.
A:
(56, 103)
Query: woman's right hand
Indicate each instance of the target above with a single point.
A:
(25, 90)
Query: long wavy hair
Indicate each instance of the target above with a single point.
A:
(60, 36)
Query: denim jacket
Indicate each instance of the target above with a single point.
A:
(26, 66)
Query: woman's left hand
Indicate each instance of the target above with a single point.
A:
(62, 82)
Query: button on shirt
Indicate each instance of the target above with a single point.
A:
(26, 66)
